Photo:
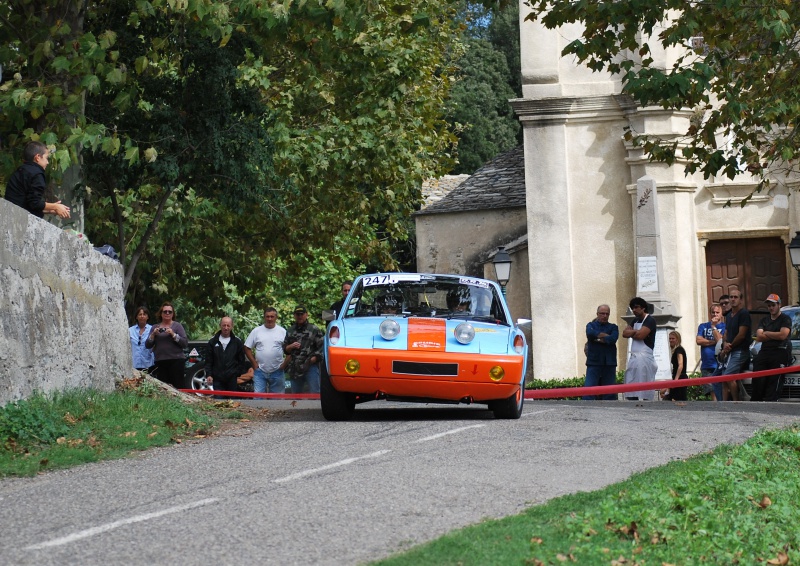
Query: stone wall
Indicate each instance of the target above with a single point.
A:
(62, 316)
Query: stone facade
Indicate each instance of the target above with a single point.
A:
(63, 321)
(581, 181)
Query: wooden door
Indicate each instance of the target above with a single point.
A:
(757, 267)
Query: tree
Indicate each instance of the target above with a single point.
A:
(478, 106)
(324, 116)
(738, 69)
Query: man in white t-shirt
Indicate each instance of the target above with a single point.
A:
(268, 362)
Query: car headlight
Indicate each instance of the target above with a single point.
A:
(389, 329)
(333, 335)
(464, 333)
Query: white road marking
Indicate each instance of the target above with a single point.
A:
(454, 431)
(536, 413)
(338, 464)
(110, 526)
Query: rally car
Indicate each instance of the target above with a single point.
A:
(423, 338)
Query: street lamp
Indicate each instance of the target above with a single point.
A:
(502, 267)
(794, 256)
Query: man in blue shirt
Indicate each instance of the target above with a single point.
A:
(708, 334)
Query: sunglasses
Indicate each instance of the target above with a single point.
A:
(166, 312)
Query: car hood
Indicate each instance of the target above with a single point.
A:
(421, 334)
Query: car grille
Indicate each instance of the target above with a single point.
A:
(417, 368)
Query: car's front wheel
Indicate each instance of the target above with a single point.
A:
(336, 406)
(510, 408)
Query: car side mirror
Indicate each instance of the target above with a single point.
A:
(328, 315)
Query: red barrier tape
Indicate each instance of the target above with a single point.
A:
(664, 384)
(544, 393)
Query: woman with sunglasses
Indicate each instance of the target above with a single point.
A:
(167, 340)
(142, 357)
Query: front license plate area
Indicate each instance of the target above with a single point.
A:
(424, 368)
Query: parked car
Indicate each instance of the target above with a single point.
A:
(195, 364)
(423, 337)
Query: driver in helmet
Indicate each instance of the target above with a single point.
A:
(389, 303)
(458, 300)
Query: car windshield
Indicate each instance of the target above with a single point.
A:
(794, 314)
(411, 294)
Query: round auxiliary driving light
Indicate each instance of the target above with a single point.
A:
(352, 367)
(464, 333)
(389, 329)
(497, 373)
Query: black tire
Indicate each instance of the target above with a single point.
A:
(510, 408)
(336, 406)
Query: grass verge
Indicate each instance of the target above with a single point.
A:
(737, 505)
(74, 427)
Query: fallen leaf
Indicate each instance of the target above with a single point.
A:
(61, 440)
(561, 557)
(75, 442)
(92, 441)
(188, 422)
(128, 434)
(765, 502)
(294, 403)
(152, 434)
(781, 560)
(70, 419)
(536, 540)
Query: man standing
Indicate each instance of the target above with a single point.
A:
(736, 348)
(268, 361)
(642, 365)
(773, 333)
(225, 359)
(708, 334)
(303, 344)
(337, 306)
(601, 353)
(26, 186)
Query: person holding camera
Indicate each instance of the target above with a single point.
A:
(168, 339)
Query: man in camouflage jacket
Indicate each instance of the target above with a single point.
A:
(303, 345)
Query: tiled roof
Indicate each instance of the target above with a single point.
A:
(498, 184)
(434, 190)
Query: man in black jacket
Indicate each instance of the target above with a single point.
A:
(225, 358)
(27, 185)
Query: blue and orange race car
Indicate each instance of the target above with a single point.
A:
(423, 338)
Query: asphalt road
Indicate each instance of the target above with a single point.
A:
(299, 490)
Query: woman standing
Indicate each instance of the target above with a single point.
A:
(167, 340)
(678, 368)
(142, 357)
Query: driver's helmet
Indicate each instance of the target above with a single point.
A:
(459, 297)
(389, 303)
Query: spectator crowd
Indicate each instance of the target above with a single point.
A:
(725, 349)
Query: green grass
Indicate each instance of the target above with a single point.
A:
(74, 427)
(737, 505)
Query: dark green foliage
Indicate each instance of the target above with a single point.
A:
(489, 77)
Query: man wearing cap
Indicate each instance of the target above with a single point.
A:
(303, 344)
(773, 333)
